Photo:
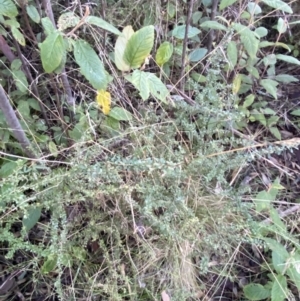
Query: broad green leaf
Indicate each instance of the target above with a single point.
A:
(140, 80)
(296, 112)
(262, 200)
(33, 103)
(255, 292)
(67, 20)
(261, 31)
(20, 80)
(171, 10)
(248, 101)
(278, 4)
(8, 168)
(279, 289)
(199, 78)
(270, 59)
(279, 262)
(236, 83)
(293, 270)
(272, 120)
(112, 123)
(102, 24)
(11, 22)
(33, 13)
(286, 78)
(197, 54)
(232, 54)
(281, 26)
(52, 148)
(196, 16)
(250, 42)
(275, 246)
(8, 8)
(23, 108)
(277, 220)
(49, 265)
(120, 47)
(90, 65)
(278, 44)
(213, 25)
(270, 86)
(226, 3)
(164, 53)
(120, 114)
(32, 217)
(179, 32)
(52, 51)
(157, 88)
(139, 47)
(48, 26)
(18, 35)
(288, 59)
(253, 8)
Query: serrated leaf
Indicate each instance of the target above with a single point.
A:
(288, 59)
(286, 78)
(270, 86)
(52, 148)
(7, 169)
(52, 51)
(32, 217)
(139, 47)
(213, 25)
(102, 24)
(140, 80)
(90, 65)
(278, 4)
(33, 13)
(18, 36)
(226, 3)
(120, 47)
(197, 54)
(232, 54)
(120, 114)
(103, 99)
(254, 292)
(253, 8)
(48, 26)
(179, 32)
(49, 265)
(279, 288)
(8, 8)
(164, 53)
(67, 20)
(250, 42)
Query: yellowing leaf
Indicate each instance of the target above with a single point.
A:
(236, 85)
(104, 101)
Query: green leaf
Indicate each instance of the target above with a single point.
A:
(250, 42)
(279, 262)
(179, 32)
(164, 53)
(139, 47)
(197, 54)
(90, 65)
(248, 101)
(48, 26)
(253, 8)
(278, 44)
(171, 9)
(20, 80)
(140, 80)
(32, 217)
(8, 8)
(52, 51)
(23, 108)
(18, 36)
(270, 86)
(33, 13)
(49, 265)
(120, 47)
(199, 78)
(274, 130)
(286, 78)
(53, 149)
(288, 59)
(255, 292)
(226, 3)
(120, 114)
(281, 26)
(197, 15)
(293, 270)
(232, 54)
(279, 289)
(213, 25)
(67, 20)
(278, 4)
(277, 220)
(262, 200)
(295, 112)
(275, 246)
(157, 88)
(8, 168)
(261, 31)
(33, 103)
(102, 24)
